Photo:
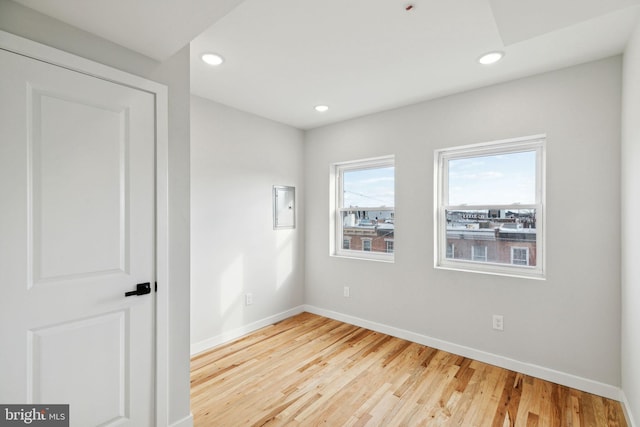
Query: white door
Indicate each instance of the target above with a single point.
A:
(76, 233)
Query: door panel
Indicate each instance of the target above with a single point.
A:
(103, 376)
(76, 233)
(71, 139)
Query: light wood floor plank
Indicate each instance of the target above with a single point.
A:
(309, 371)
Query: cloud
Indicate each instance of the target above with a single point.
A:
(479, 175)
(376, 180)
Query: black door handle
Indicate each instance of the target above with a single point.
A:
(141, 289)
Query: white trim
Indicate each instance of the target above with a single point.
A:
(44, 53)
(626, 408)
(569, 380)
(162, 258)
(185, 422)
(371, 256)
(503, 145)
(233, 334)
(337, 222)
(441, 202)
(498, 270)
(368, 163)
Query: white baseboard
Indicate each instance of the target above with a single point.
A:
(541, 372)
(185, 422)
(209, 343)
(627, 410)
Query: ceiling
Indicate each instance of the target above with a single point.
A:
(283, 57)
(155, 28)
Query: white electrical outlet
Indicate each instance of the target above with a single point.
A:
(248, 299)
(346, 292)
(498, 322)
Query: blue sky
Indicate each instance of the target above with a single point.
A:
(369, 187)
(496, 179)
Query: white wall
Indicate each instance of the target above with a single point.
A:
(174, 73)
(631, 231)
(236, 158)
(568, 323)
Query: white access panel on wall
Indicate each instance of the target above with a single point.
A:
(77, 231)
(284, 207)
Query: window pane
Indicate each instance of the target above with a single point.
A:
(494, 236)
(368, 230)
(501, 179)
(365, 208)
(368, 187)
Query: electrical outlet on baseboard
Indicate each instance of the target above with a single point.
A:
(248, 299)
(347, 292)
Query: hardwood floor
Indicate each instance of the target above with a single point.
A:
(309, 370)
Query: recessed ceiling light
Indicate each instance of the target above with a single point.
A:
(491, 58)
(212, 59)
(321, 108)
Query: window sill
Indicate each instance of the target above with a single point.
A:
(495, 271)
(390, 259)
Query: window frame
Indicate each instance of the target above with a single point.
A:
(338, 170)
(535, 143)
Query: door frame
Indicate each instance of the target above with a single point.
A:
(44, 53)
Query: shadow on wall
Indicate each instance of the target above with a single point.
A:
(230, 262)
(271, 282)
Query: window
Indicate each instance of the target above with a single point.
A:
(389, 243)
(479, 253)
(520, 256)
(346, 243)
(490, 207)
(365, 212)
(451, 250)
